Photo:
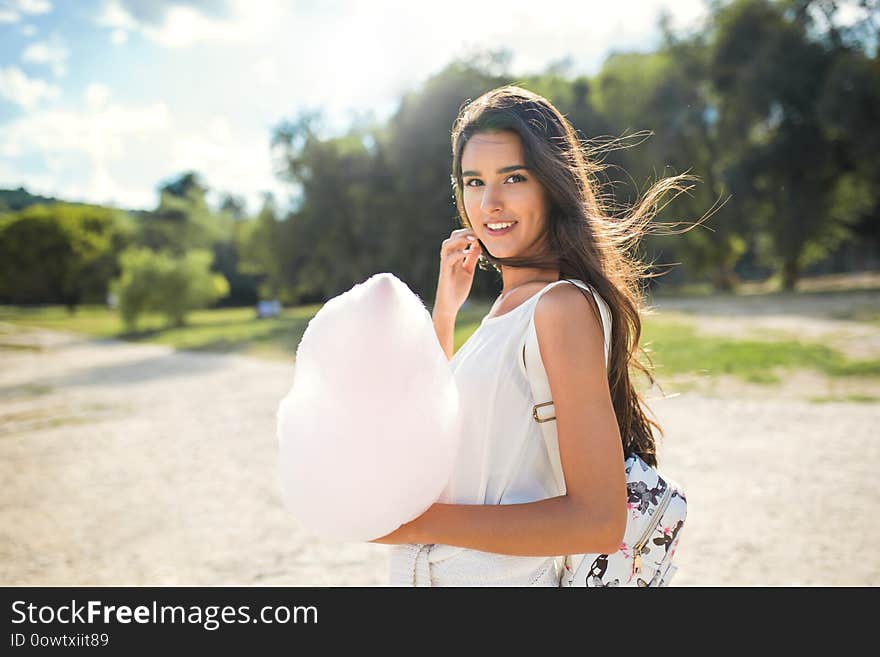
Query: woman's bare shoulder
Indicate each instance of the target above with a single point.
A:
(567, 321)
(568, 302)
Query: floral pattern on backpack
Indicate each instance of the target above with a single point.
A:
(657, 510)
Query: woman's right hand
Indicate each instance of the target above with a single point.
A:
(457, 266)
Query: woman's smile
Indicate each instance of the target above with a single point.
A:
(496, 229)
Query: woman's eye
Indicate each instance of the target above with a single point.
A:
(519, 178)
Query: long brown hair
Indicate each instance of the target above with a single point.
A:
(585, 240)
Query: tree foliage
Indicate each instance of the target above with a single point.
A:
(60, 253)
(166, 283)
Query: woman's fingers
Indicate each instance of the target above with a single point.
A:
(471, 255)
(462, 249)
(456, 244)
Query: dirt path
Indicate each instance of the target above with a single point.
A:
(133, 464)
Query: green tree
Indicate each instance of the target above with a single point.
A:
(849, 108)
(338, 235)
(769, 75)
(61, 253)
(661, 108)
(183, 220)
(170, 284)
(262, 244)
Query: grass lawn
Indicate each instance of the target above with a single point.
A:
(226, 330)
(676, 348)
(673, 344)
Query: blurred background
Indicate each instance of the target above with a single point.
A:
(184, 183)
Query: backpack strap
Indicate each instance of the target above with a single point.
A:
(533, 368)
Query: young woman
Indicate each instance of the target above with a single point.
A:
(525, 193)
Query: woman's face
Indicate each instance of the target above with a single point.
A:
(506, 206)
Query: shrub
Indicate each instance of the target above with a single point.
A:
(167, 284)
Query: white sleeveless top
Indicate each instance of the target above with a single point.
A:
(502, 458)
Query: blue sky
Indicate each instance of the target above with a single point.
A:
(102, 100)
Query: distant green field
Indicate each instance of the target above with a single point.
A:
(672, 343)
(676, 348)
(227, 330)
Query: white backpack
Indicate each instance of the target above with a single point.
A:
(657, 505)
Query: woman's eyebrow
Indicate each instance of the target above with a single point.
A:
(513, 167)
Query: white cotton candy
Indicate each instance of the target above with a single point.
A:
(369, 430)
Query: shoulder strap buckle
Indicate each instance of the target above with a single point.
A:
(541, 405)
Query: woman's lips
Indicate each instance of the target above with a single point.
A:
(503, 231)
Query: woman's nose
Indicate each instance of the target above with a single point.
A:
(491, 200)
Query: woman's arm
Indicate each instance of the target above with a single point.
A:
(591, 516)
(546, 528)
(444, 327)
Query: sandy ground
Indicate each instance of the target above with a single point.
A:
(132, 464)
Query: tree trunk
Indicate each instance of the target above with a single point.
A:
(791, 272)
(725, 278)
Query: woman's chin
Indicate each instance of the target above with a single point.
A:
(503, 252)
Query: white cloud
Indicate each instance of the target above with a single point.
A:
(119, 37)
(28, 30)
(97, 95)
(12, 10)
(185, 26)
(180, 26)
(84, 150)
(113, 14)
(52, 53)
(267, 72)
(97, 133)
(114, 154)
(26, 92)
(33, 6)
(228, 160)
(366, 55)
